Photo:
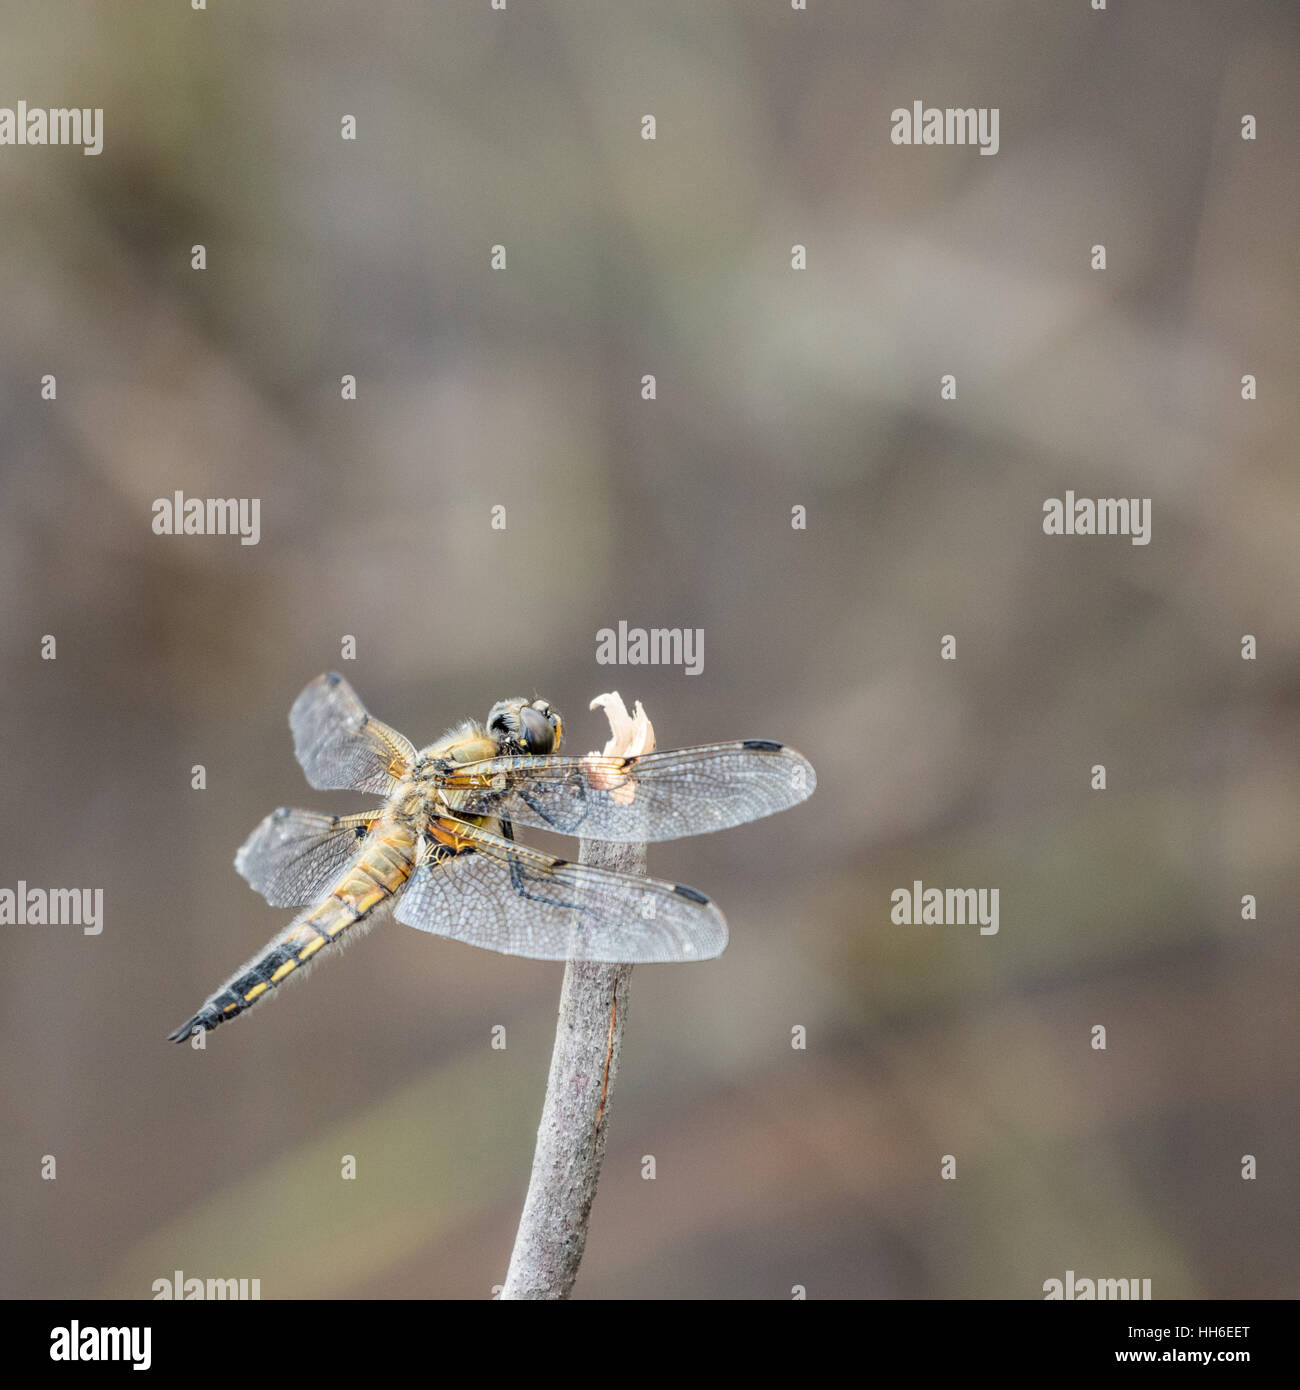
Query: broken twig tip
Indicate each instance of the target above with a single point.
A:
(630, 734)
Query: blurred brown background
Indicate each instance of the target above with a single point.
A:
(775, 388)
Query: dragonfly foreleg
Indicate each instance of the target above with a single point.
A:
(568, 827)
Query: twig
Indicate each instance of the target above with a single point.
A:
(584, 1063)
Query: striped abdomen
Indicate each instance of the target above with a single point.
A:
(386, 862)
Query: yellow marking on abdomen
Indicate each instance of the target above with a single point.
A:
(374, 877)
(360, 902)
(310, 947)
(283, 971)
(445, 835)
(257, 989)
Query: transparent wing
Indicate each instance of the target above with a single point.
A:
(340, 746)
(658, 796)
(509, 898)
(294, 857)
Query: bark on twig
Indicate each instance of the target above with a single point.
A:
(575, 1114)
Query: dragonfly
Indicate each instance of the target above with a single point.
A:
(441, 853)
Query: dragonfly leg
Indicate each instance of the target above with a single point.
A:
(568, 827)
(520, 877)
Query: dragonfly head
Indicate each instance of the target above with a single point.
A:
(524, 727)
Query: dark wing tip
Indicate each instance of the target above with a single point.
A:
(762, 745)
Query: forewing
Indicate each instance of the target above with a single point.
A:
(658, 796)
(509, 898)
(340, 746)
(294, 857)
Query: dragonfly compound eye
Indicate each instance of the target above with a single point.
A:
(537, 732)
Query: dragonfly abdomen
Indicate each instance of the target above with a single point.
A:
(373, 880)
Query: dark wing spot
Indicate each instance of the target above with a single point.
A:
(361, 832)
(280, 812)
(558, 863)
(762, 745)
(690, 894)
(333, 678)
